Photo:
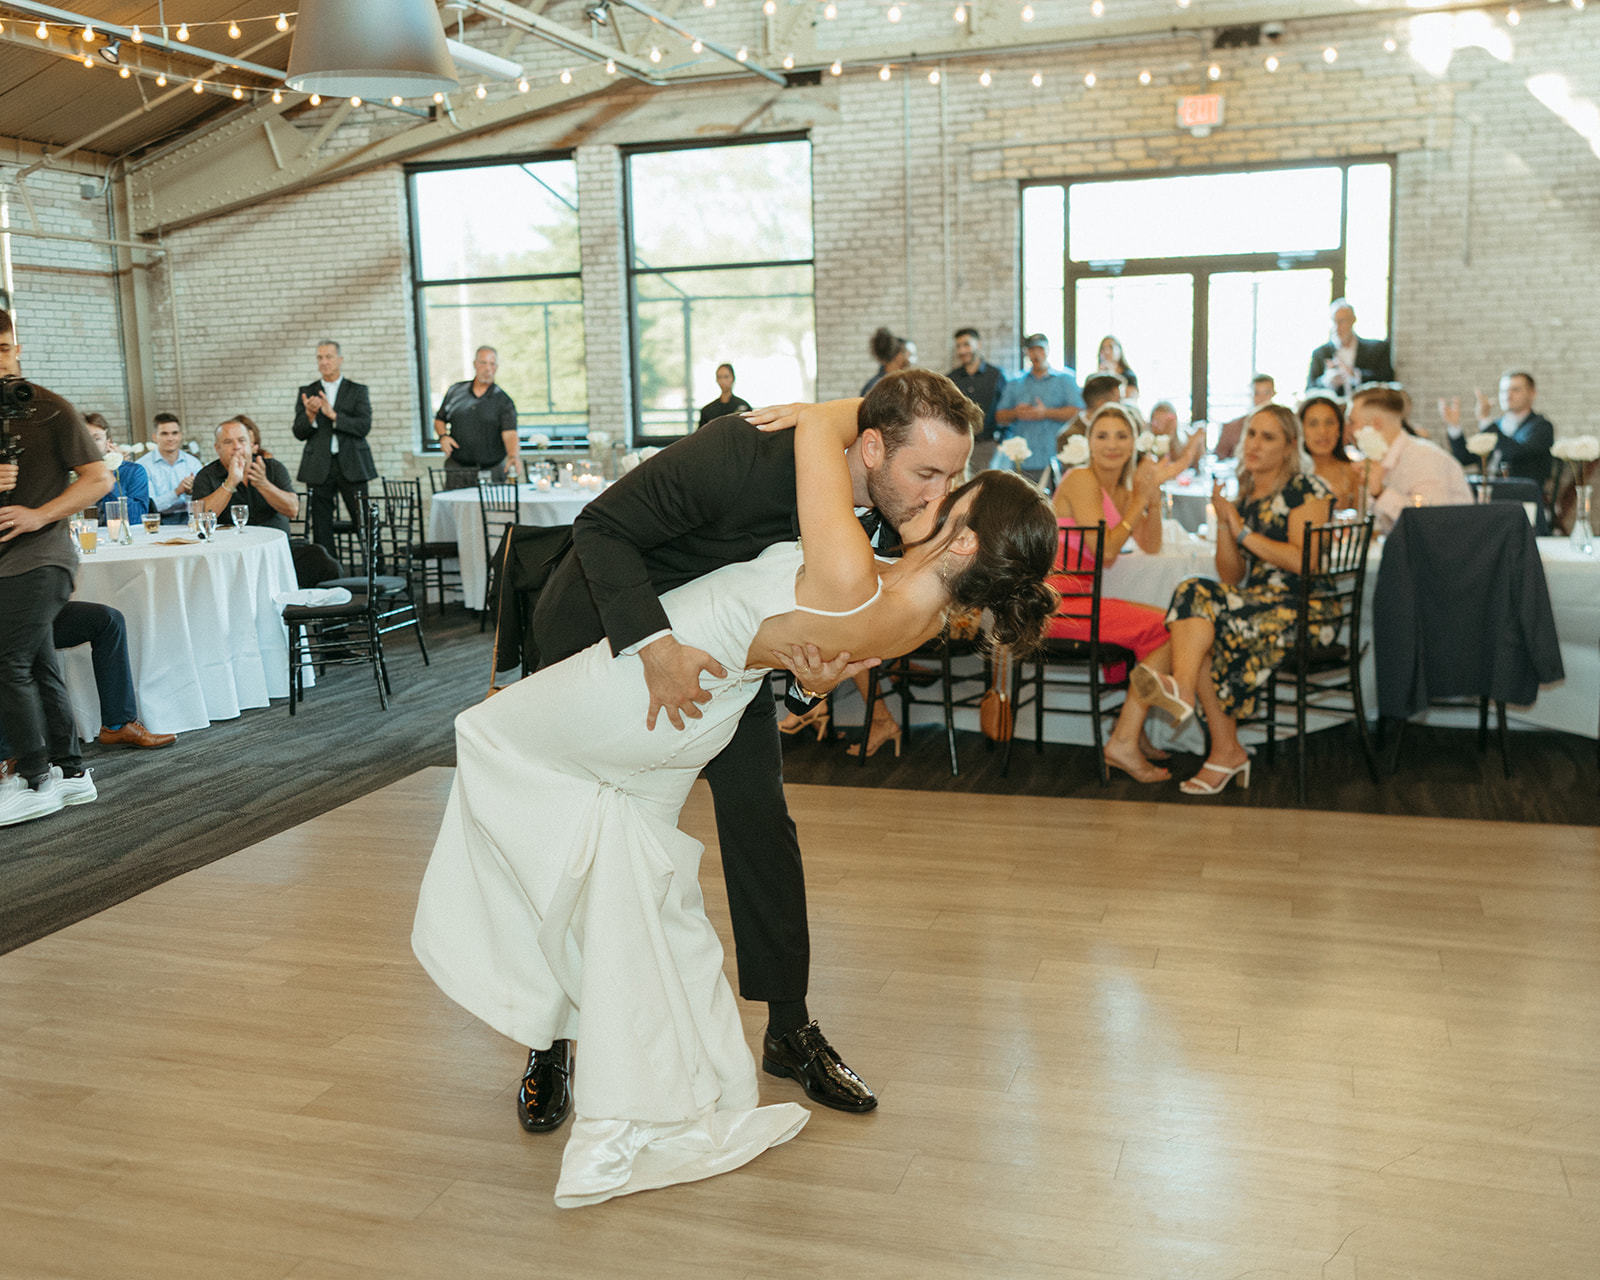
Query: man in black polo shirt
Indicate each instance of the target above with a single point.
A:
(980, 382)
(477, 426)
(240, 477)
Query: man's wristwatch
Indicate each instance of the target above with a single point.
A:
(807, 694)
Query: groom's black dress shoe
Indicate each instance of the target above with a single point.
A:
(545, 1099)
(804, 1054)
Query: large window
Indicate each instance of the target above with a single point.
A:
(1207, 278)
(720, 272)
(495, 261)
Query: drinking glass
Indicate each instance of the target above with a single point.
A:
(89, 534)
(152, 523)
(116, 517)
(241, 515)
(208, 524)
(1582, 529)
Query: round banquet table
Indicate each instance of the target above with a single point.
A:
(454, 516)
(205, 639)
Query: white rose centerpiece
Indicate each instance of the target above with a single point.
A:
(1371, 444)
(538, 440)
(1075, 453)
(1016, 448)
(1480, 444)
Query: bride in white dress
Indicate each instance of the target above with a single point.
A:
(562, 901)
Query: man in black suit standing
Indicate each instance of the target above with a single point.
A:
(333, 416)
(1347, 362)
(1525, 435)
(717, 497)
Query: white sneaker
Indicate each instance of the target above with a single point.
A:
(21, 803)
(78, 790)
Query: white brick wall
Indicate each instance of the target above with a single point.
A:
(1494, 225)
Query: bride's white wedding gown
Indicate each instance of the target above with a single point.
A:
(562, 901)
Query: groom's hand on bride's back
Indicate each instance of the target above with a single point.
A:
(672, 674)
(775, 417)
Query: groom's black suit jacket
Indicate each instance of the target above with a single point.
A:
(721, 496)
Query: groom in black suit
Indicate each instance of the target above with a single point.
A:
(721, 496)
(333, 416)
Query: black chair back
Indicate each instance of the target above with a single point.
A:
(1516, 489)
(499, 509)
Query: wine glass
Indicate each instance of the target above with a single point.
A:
(241, 515)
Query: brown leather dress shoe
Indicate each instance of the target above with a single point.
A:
(134, 734)
(545, 1098)
(805, 1055)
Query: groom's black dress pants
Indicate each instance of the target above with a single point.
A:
(760, 850)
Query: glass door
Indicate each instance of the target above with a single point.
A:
(1153, 318)
(1262, 322)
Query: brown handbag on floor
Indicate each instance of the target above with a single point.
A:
(994, 712)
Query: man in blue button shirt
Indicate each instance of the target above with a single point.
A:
(1035, 404)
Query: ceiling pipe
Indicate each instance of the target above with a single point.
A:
(65, 17)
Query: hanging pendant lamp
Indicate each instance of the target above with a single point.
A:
(370, 49)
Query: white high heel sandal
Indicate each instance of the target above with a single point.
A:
(1194, 787)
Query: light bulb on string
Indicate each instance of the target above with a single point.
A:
(481, 92)
(770, 8)
(1330, 55)
(316, 99)
(396, 100)
(1144, 77)
(743, 55)
(655, 54)
(1512, 17)
(42, 31)
(711, 4)
(1038, 80)
(1098, 8)
(698, 47)
(88, 34)
(183, 31)
(837, 69)
(894, 13)
(1390, 45)
(1271, 63)
(161, 81)
(277, 95)
(933, 76)
(355, 102)
(883, 72)
(960, 14)
(1576, 4)
(137, 35)
(1027, 13)
(1089, 80)
(233, 31)
(89, 63)
(124, 72)
(611, 66)
(1214, 72)
(566, 75)
(1183, 4)
(199, 87)
(986, 79)
(238, 93)
(788, 62)
(283, 22)
(830, 11)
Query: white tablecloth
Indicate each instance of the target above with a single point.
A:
(454, 517)
(1573, 705)
(204, 637)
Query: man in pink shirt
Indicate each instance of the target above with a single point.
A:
(1415, 472)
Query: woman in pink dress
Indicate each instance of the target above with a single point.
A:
(1115, 486)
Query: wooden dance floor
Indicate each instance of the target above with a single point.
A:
(1111, 1040)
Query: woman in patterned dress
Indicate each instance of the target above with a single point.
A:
(1228, 634)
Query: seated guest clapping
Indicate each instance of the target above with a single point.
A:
(1322, 426)
(170, 470)
(1115, 486)
(1164, 422)
(239, 477)
(131, 481)
(1414, 471)
(1230, 632)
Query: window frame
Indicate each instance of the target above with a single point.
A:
(1201, 269)
(429, 442)
(632, 271)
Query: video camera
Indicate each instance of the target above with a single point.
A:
(16, 401)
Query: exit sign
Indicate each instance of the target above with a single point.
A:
(1200, 113)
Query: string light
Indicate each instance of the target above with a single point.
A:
(1577, 4)
(183, 31)
(396, 100)
(986, 79)
(788, 62)
(316, 99)
(1271, 63)
(836, 69)
(277, 96)
(769, 8)
(611, 66)
(1098, 8)
(124, 72)
(960, 14)
(88, 34)
(1027, 13)
(933, 76)
(894, 13)
(282, 23)
(1183, 4)
(566, 75)
(138, 36)
(1214, 71)
(1389, 45)
(481, 92)
(355, 102)
(438, 99)
(199, 87)
(1088, 80)
(1512, 17)
(1037, 80)
(233, 31)
(711, 4)
(743, 55)
(238, 93)
(697, 47)
(830, 11)
(42, 31)
(161, 81)
(883, 72)
(89, 63)
(1330, 55)
(655, 54)
(1144, 77)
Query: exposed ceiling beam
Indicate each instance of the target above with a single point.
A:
(186, 49)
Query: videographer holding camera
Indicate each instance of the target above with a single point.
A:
(42, 439)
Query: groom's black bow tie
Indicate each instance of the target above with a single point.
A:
(871, 521)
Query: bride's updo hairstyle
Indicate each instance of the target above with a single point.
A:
(1017, 539)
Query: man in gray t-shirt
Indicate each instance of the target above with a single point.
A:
(37, 564)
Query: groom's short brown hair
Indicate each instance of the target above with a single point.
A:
(899, 400)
